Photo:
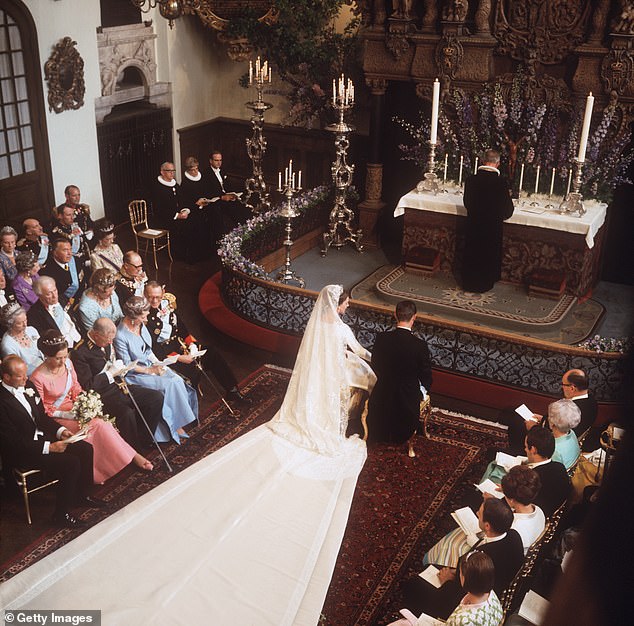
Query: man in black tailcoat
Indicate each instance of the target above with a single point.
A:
(30, 439)
(402, 365)
(487, 198)
(96, 368)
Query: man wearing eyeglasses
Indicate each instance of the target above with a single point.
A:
(131, 279)
(574, 386)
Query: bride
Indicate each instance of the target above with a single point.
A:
(248, 535)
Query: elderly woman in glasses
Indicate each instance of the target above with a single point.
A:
(100, 299)
(28, 267)
(133, 342)
(19, 338)
(106, 253)
(8, 241)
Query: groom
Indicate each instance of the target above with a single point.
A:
(402, 365)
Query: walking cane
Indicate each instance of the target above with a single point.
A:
(126, 389)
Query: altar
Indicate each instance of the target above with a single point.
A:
(537, 239)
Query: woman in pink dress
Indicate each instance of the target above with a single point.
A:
(56, 382)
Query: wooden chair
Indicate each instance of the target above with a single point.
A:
(138, 221)
(22, 478)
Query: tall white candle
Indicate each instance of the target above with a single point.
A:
(475, 167)
(293, 181)
(521, 178)
(299, 179)
(286, 175)
(444, 172)
(585, 129)
(460, 171)
(279, 180)
(537, 179)
(569, 181)
(435, 103)
(250, 72)
(552, 182)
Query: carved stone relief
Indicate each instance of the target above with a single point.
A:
(64, 72)
(449, 56)
(617, 71)
(120, 48)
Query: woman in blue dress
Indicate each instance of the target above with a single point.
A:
(100, 300)
(134, 343)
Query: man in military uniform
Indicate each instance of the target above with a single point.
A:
(131, 279)
(96, 367)
(35, 240)
(81, 211)
(65, 227)
(171, 337)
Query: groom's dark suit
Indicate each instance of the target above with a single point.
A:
(22, 448)
(401, 363)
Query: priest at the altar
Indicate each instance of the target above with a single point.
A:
(487, 198)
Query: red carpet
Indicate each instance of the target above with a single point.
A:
(400, 507)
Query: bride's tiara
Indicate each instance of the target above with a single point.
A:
(52, 340)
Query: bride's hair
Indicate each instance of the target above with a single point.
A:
(344, 294)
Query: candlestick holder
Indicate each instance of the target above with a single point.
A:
(340, 230)
(287, 274)
(431, 184)
(573, 201)
(256, 197)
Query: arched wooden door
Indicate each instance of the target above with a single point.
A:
(26, 184)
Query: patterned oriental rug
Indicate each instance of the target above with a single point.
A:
(400, 508)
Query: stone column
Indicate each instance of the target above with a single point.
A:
(370, 208)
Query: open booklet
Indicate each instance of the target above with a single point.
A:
(523, 411)
(468, 522)
(80, 435)
(488, 486)
(118, 368)
(507, 461)
(533, 608)
(430, 574)
(422, 620)
(170, 360)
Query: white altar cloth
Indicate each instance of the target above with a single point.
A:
(524, 214)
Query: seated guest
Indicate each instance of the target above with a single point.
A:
(574, 385)
(65, 227)
(47, 313)
(61, 266)
(8, 241)
(56, 382)
(563, 416)
(480, 606)
(171, 337)
(19, 338)
(100, 299)
(131, 279)
(106, 252)
(97, 369)
(6, 293)
(134, 343)
(81, 211)
(498, 540)
(520, 487)
(28, 267)
(35, 240)
(29, 438)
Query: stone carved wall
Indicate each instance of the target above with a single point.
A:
(123, 47)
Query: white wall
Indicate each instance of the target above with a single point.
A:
(72, 134)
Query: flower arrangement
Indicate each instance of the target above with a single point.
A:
(600, 344)
(87, 406)
(512, 119)
(234, 246)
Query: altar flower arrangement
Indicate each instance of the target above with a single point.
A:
(513, 117)
(87, 406)
(233, 250)
(600, 344)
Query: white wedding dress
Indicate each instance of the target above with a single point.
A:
(248, 535)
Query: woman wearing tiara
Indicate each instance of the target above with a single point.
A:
(134, 343)
(106, 253)
(56, 382)
(259, 521)
(19, 338)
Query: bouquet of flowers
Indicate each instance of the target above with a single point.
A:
(87, 406)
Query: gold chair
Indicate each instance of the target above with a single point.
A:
(138, 221)
(22, 478)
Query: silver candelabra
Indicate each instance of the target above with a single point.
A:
(431, 183)
(287, 274)
(340, 230)
(256, 196)
(573, 201)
